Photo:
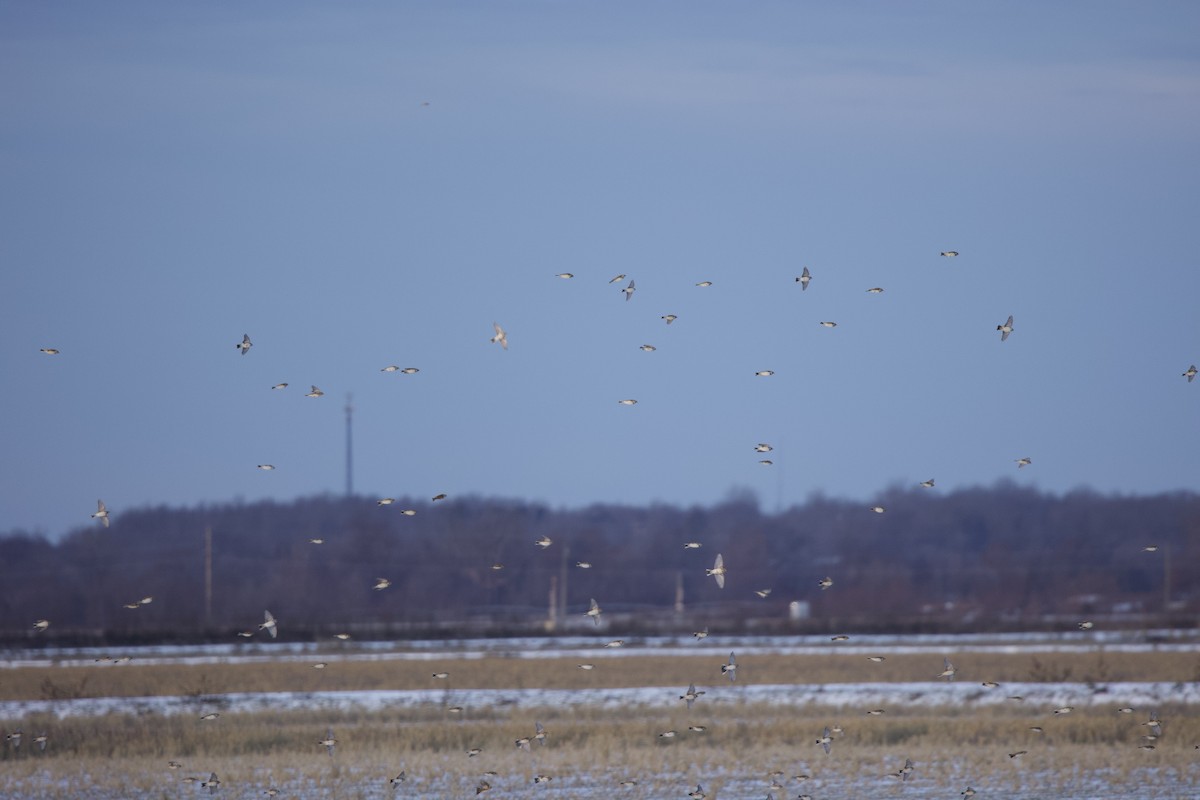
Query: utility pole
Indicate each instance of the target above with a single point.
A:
(207, 576)
(349, 445)
(562, 583)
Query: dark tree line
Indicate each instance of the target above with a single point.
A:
(981, 558)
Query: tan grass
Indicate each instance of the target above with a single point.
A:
(599, 747)
(632, 669)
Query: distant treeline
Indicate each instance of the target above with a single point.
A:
(986, 558)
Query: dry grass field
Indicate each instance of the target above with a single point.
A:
(633, 668)
(1092, 752)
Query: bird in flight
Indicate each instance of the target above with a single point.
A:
(620, 277)
(691, 695)
(703, 284)
(948, 253)
(1024, 462)
(101, 512)
(628, 290)
(825, 582)
(927, 484)
(826, 740)
(717, 571)
(315, 392)
(1006, 328)
(594, 612)
(730, 669)
(268, 624)
(500, 336)
(804, 279)
(381, 584)
(669, 318)
(829, 324)
(53, 351)
(1190, 374)
(948, 671)
(565, 275)
(328, 742)
(245, 344)
(875, 290)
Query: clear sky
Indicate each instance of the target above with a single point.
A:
(359, 185)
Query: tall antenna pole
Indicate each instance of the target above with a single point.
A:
(349, 445)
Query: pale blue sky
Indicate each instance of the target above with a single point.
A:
(174, 176)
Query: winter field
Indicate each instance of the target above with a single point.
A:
(1069, 716)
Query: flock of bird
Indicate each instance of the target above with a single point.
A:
(718, 572)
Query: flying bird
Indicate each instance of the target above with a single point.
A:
(1023, 462)
(101, 512)
(669, 318)
(927, 484)
(410, 371)
(1006, 328)
(544, 542)
(628, 402)
(691, 695)
(875, 290)
(269, 625)
(391, 368)
(315, 392)
(266, 467)
(763, 447)
(717, 571)
(829, 324)
(1190, 374)
(212, 784)
(328, 742)
(500, 336)
(764, 373)
(804, 279)
(948, 253)
(825, 582)
(381, 584)
(703, 284)
(565, 275)
(649, 348)
(628, 290)
(594, 612)
(53, 351)
(948, 671)
(730, 669)
(245, 344)
(826, 740)
(279, 386)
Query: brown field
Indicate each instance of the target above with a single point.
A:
(591, 749)
(631, 669)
